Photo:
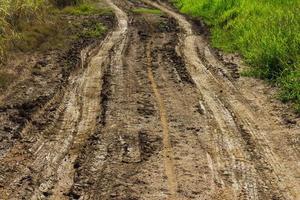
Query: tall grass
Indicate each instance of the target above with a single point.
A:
(265, 32)
(13, 12)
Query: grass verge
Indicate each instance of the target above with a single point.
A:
(266, 33)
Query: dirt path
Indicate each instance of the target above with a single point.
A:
(152, 116)
(236, 122)
(52, 163)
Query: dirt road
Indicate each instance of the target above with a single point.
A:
(153, 113)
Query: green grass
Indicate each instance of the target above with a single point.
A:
(265, 32)
(94, 31)
(147, 11)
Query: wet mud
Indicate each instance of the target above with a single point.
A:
(152, 113)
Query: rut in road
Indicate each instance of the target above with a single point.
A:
(237, 123)
(52, 163)
(218, 152)
(151, 117)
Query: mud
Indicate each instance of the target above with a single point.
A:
(154, 113)
(32, 104)
(43, 76)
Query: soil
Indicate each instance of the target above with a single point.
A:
(150, 112)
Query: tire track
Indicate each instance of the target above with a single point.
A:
(91, 96)
(244, 139)
(145, 120)
(168, 152)
(54, 160)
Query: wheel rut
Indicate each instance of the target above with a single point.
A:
(168, 151)
(54, 160)
(246, 143)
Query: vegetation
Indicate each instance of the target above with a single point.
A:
(147, 11)
(95, 30)
(265, 32)
(23, 24)
(11, 11)
(29, 26)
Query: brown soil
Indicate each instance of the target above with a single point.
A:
(152, 113)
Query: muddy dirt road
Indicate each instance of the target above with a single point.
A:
(153, 113)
